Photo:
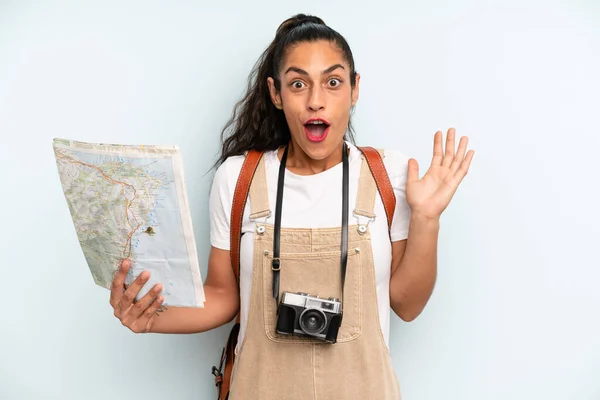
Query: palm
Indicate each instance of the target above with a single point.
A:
(430, 195)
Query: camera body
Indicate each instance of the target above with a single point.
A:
(301, 314)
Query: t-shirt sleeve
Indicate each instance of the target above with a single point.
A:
(396, 164)
(221, 196)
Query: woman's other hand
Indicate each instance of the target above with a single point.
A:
(430, 195)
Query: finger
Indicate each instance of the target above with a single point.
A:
(129, 295)
(140, 306)
(413, 170)
(148, 317)
(116, 290)
(460, 154)
(438, 153)
(464, 166)
(449, 154)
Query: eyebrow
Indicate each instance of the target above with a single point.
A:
(303, 72)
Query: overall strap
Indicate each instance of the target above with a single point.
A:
(365, 202)
(259, 193)
(366, 193)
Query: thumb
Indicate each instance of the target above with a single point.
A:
(413, 170)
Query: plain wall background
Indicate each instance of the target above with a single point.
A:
(514, 314)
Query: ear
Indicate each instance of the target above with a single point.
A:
(275, 95)
(355, 90)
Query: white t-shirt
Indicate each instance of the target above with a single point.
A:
(312, 201)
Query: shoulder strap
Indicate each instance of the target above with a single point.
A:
(382, 180)
(240, 196)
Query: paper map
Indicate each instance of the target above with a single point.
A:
(130, 202)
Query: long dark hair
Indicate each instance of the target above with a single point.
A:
(255, 122)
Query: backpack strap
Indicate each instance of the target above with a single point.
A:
(240, 196)
(382, 180)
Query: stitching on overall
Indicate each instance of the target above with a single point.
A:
(314, 372)
(259, 196)
(359, 195)
(364, 213)
(366, 195)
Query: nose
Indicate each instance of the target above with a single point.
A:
(316, 99)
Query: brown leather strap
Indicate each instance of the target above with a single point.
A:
(229, 355)
(382, 180)
(240, 196)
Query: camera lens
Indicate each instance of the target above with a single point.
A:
(312, 321)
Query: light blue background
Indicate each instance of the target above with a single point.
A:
(515, 312)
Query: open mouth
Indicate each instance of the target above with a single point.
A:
(316, 129)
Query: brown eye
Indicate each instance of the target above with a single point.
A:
(297, 85)
(334, 82)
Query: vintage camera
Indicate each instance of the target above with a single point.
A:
(303, 315)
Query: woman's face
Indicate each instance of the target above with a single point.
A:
(316, 96)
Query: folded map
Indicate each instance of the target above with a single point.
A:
(131, 202)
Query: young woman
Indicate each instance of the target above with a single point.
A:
(314, 225)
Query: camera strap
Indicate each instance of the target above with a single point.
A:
(276, 267)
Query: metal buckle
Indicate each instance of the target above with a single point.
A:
(362, 227)
(260, 225)
(276, 264)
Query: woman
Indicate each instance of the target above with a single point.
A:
(294, 248)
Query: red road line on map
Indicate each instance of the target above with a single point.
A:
(127, 245)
